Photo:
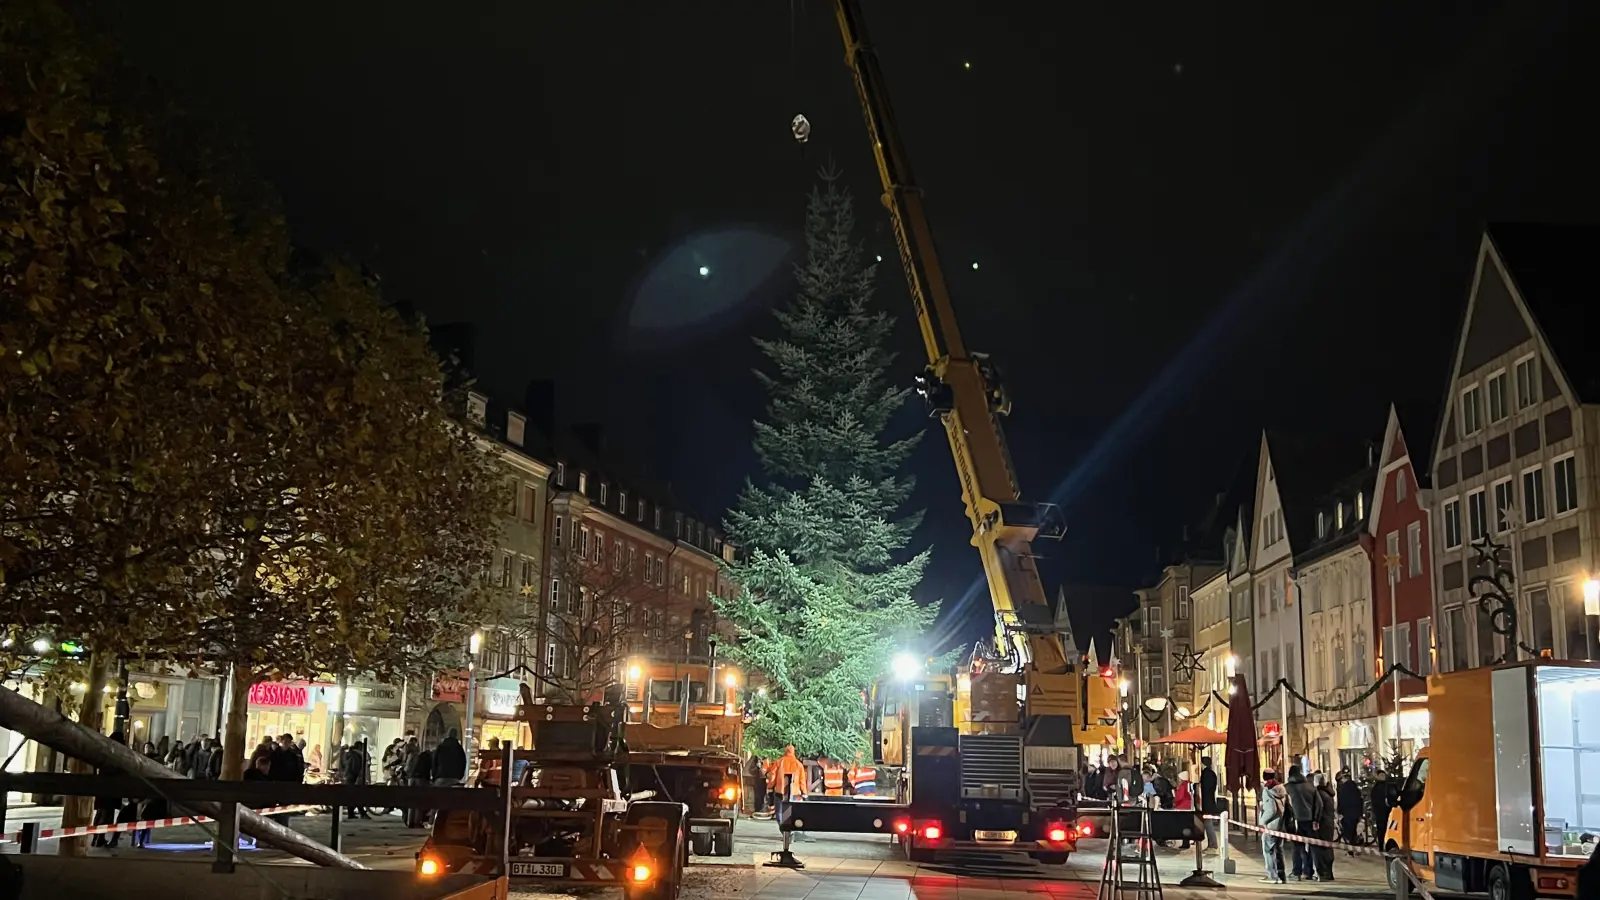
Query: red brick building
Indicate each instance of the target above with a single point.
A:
(1402, 575)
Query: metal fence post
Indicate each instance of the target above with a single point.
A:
(335, 834)
(226, 845)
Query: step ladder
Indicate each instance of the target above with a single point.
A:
(1130, 871)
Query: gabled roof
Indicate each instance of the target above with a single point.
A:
(1335, 538)
(1552, 269)
(1405, 435)
(1307, 467)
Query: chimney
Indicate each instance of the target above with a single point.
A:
(539, 401)
(592, 436)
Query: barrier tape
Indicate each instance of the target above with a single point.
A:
(1300, 838)
(83, 830)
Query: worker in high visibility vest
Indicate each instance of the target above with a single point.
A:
(787, 780)
(863, 778)
(832, 778)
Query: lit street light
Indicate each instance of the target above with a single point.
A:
(41, 646)
(1231, 666)
(907, 667)
(1591, 597)
(1123, 686)
(473, 643)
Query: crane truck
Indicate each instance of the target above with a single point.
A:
(1006, 777)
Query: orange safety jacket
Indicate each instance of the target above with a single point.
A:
(863, 779)
(833, 781)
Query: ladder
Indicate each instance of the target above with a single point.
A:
(1128, 875)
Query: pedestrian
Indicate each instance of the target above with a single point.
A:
(449, 761)
(1348, 796)
(1323, 856)
(1209, 804)
(1183, 799)
(1271, 814)
(419, 773)
(788, 780)
(352, 771)
(105, 808)
(1305, 811)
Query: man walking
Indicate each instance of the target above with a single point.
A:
(1209, 805)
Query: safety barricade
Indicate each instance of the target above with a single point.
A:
(46, 834)
(1352, 849)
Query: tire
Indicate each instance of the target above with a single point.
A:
(1052, 857)
(1396, 872)
(1506, 883)
(722, 843)
(700, 843)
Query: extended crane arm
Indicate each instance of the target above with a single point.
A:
(968, 398)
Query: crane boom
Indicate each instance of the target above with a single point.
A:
(963, 390)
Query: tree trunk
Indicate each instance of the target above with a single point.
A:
(79, 811)
(47, 727)
(336, 733)
(234, 752)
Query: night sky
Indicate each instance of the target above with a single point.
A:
(1190, 219)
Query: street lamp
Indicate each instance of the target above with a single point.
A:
(1231, 666)
(473, 643)
(1591, 597)
(1123, 686)
(907, 667)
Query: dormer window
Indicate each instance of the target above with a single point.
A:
(622, 502)
(516, 428)
(604, 489)
(1322, 524)
(561, 474)
(1360, 506)
(583, 482)
(477, 409)
(1338, 516)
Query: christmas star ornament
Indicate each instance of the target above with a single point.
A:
(1186, 664)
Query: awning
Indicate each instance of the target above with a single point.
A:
(1198, 735)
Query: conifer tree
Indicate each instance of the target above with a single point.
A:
(825, 600)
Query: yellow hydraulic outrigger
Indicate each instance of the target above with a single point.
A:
(962, 388)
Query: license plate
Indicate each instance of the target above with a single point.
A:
(994, 835)
(538, 870)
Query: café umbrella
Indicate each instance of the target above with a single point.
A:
(1243, 759)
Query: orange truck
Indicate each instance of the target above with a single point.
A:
(1505, 800)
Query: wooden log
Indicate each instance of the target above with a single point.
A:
(48, 727)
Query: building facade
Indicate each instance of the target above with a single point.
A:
(1401, 533)
(1275, 617)
(1214, 643)
(1334, 583)
(1242, 630)
(1516, 447)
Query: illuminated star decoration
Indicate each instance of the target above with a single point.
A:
(1167, 633)
(527, 590)
(1488, 551)
(1187, 664)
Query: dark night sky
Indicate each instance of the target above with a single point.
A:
(1191, 221)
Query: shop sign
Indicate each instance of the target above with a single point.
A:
(380, 698)
(500, 703)
(280, 695)
(1271, 730)
(450, 686)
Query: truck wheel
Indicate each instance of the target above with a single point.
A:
(722, 843)
(1506, 883)
(1052, 857)
(1397, 876)
(672, 854)
(700, 843)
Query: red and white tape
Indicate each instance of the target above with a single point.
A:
(1300, 838)
(83, 830)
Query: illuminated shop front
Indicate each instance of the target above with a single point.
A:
(496, 713)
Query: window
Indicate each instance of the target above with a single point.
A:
(583, 482)
(1400, 486)
(561, 474)
(1455, 619)
(599, 547)
(1276, 672)
(1340, 662)
(1153, 622)
(1477, 516)
(1505, 500)
(658, 518)
(583, 541)
(1485, 628)
(1288, 669)
(558, 530)
(1577, 628)
(1322, 524)
(527, 571)
(578, 601)
(1497, 396)
(550, 660)
(1261, 599)
(1564, 472)
(604, 490)
(1183, 603)
(1527, 386)
(512, 495)
(616, 556)
(530, 502)
(631, 558)
(1471, 411)
(1414, 549)
(1361, 506)
(1533, 495)
(1391, 557)
(1543, 625)
(1452, 523)
(1424, 664)
(639, 511)
(555, 593)
(1338, 516)
(1387, 649)
(505, 571)
(622, 502)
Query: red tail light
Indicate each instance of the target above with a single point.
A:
(1086, 829)
(932, 831)
(901, 826)
(1057, 833)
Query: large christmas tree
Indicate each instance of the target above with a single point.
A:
(826, 599)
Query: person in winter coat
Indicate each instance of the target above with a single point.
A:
(1272, 813)
(419, 772)
(1323, 856)
(449, 761)
(105, 808)
(1183, 798)
(1348, 795)
(1209, 805)
(1305, 810)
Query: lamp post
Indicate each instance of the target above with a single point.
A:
(473, 643)
(1391, 561)
(1127, 731)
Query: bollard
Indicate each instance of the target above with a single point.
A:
(335, 838)
(1229, 867)
(28, 839)
(226, 845)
